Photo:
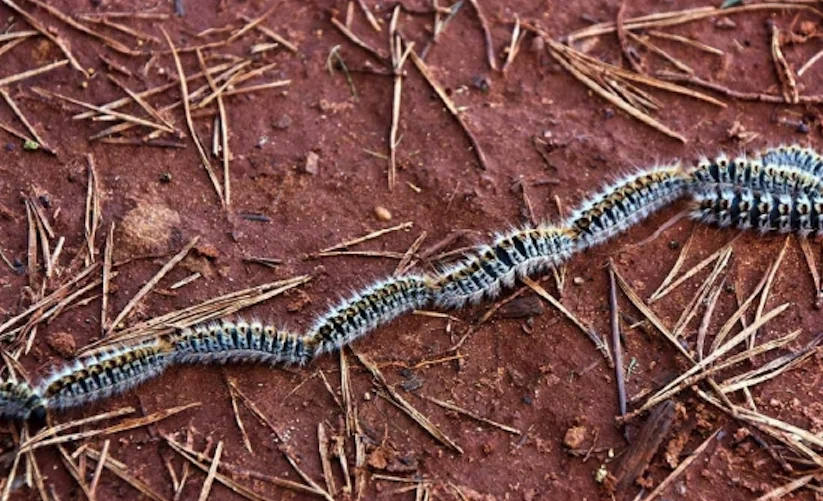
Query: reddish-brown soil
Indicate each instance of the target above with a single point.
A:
(539, 375)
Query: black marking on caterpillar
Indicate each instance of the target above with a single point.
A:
(368, 309)
(18, 400)
(518, 253)
(755, 174)
(744, 208)
(796, 156)
(625, 203)
(240, 342)
(109, 373)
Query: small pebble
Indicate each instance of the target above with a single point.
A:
(283, 123)
(312, 163)
(367, 397)
(578, 280)
(165, 177)
(382, 213)
(724, 23)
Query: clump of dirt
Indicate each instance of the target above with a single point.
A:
(148, 227)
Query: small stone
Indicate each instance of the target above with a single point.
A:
(165, 177)
(63, 343)
(10, 147)
(674, 245)
(803, 128)
(312, 164)
(30, 145)
(283, 123)
(367, 396)
(574, 437)
(382, 213)
(724, 23)
(578, 280)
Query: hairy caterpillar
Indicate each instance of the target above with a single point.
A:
(493, 267)
(794, 156)
(368, 309)
(744, 208)
(756, 174)
(240, 342)
(625, 203)
(776, 192)
(106, 374)
(20, 400)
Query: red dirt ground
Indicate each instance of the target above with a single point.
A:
(539, 375)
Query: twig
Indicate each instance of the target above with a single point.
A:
(365, 238)
(743, 96)
(113, 113)
(274, 36)
(681, 467)
(120, 470)
(460, 410)
(252, 23)
(764, 296)
(148, 286)
(614, 99)
(810, 262)
(184, 90)
(107, 261)
(686, 41)
(377, 54)
(324, 445)
(441, 93)
(617, 347)
(143, 103)
(784, 72)
(101, 462)
(25, 122)
(599, 343)
(487, 35)
(628, 52)
(514, 45)
(662, 53)
(114, 44)
(406, 407)
(46, 33)
(663, 19)
(4, 82)
(215, 463)
(398, 59)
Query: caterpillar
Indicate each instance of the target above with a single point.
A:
(515, 254)
(779, 191)
(755, 173)
(240, 342)
(744, 209)
(20, 400)
(625, 203)
(368, 309)
(105, 374)
(794, 156)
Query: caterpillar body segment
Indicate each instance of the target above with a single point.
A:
(19, 400)
(625, 203)
(755, 174)
(766, 212)
(240, 342)
(516, 254)
(100, 376)
(794, 155)
(368, 309)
